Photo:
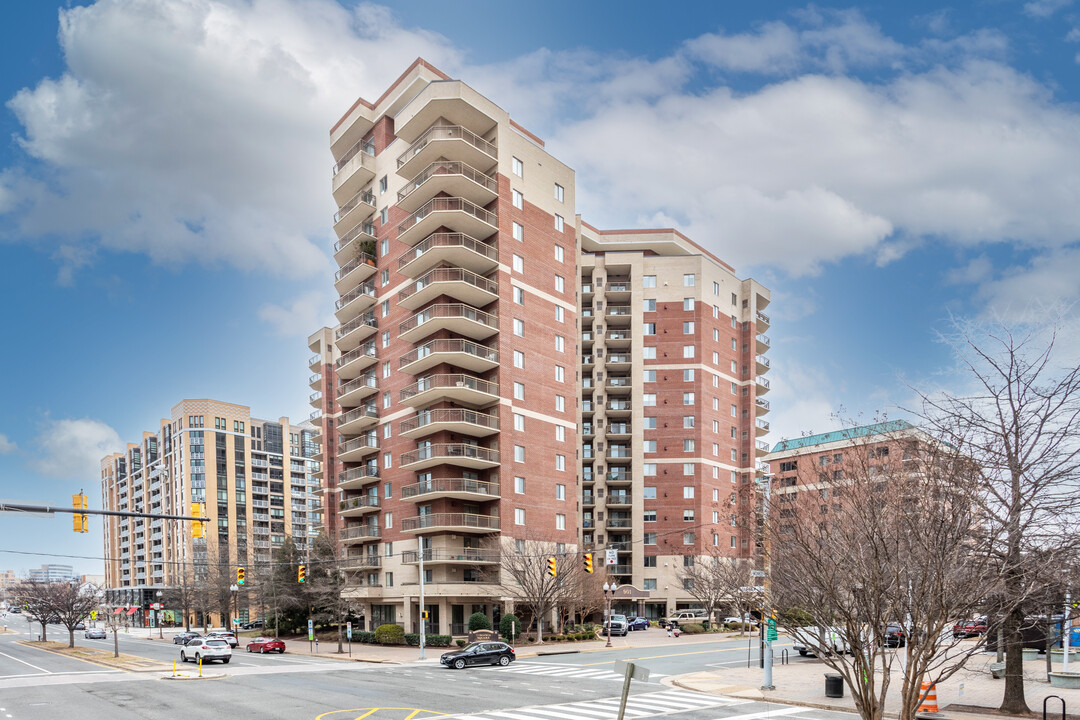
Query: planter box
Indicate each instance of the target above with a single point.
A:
(997, 670)
(1059, 655)
(1068, 680)
(1030, 654)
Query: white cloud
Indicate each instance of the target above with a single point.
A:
(72, 449)
(304, 316)
(1035, 291)
(1043, 9)
(197, 130)
(7, 446)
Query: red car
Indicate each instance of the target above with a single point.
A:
(266, 644)
(969, 628)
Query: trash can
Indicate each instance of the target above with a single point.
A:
(834, 685)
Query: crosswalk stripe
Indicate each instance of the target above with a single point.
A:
(546, 714)
(645, 704)
(680, 696)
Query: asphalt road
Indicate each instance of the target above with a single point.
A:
(43, 686)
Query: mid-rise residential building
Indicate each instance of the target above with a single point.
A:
(256, 479)
(51, 573)
(503, 372)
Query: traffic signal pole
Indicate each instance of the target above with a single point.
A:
(47, 509)
(767, 608)
(423, 620)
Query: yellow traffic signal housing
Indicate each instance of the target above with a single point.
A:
(424, 614)
(552, 571)
(80, 521)
(588, 563)
(301, 573)
(197, 526)
(239, 576)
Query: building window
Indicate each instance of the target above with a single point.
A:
(519, 516)
(559, 313)
(560, 521)
(688, 375)
(519, 453)
(519, 422)
(648, 353)
(688, 492)
(389, 520)
(560, 343)
(386, 369)
(688, 445)
(648, 281)
(559, 225)
(385, 277)
(560, 492)
(648, 492)
(688, 469)
(560, 284)
(560, 403)
(558, 253)
(648, 399)
(648, 583)
(384, 183)
(389, 582)
(386, 399)
(688, 328)
(688, 515)
(560, 433)
(716, 288)
(560, 462)
(649, 516)
(649, 470)
(519, 327)
(649, 376)
(519, 295)
(559, 192)
(688, 398)
(560, 373)
(688, 304)
(519, 264)
(648, 446)
(688, 538)
(688, 352)
(519, 359)
(649, 328)
(384, 216)
(649, 539)
(519, 485)
(519, 232)
(518, 199)
(519, 391)
(688, 280)
(649, 305)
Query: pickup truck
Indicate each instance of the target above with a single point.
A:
(814, 641)
(685, 617)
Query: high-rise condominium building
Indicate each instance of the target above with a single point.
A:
(452, 392)
(52, 573)
(255, 477)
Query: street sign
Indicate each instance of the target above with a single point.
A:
(93, 614)
(310, 630)
(236, 621)
(348, 629)
(752, 588)
(611, 557)
(636, 671)
(770, 629)
(757, 573)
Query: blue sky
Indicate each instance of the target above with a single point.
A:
(165, 206)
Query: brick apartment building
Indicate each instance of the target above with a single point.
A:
(255, 477)
(462, 402)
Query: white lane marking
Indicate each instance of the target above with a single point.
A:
(769, 713)
(25, 663)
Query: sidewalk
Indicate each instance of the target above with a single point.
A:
(966, 694)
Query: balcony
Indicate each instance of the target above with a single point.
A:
(356, 534)
(762, 364)
(453, 317)
(356, 209)
(353, 363)
(464, 354)
(620, 499)
(618, 523)
(763, 343)
(618, 290)
(458, 283)
(587, 499)
(464, 389)
(618, 315)
(360, 561)
(315, 362)
(619, 478)
(619, 408)
(460, 454)
(315, 399)
(358, 477)
(351, 334)
(354, 302)
(462, 556)
(451, 177)
(587, 430)
(358, 419)
(356, 449)
(353, 171)
(618, 361)
(619, 569)
(357, 242)
(761, 447)
(618, 339)
(451, 487)
(761, 426)
(619, 454)
(455, 249)
(451, 522)
(763, 320)
(447, 141)
(455, 420)
(588, 360)
(619, 428)
(315, 381)
(357, 506)
(352, 393)
(618, 385)
(761, 405)
(457, 214)
(763, 384)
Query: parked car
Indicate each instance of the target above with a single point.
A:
(183, 637)
(80, 626)
(618, 625)
(479, 653)
(969, 628)
(745, 620)
(812, 641)
(683, 617)
(95, 634)
(266, 644)
(206, 649)
(638, 623)
(226, 635)
(256, 625)
(894, 635)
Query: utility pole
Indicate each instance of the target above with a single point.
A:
(423, 623)
(767, 609)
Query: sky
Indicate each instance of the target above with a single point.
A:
(165, 215)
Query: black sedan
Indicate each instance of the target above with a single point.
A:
(894, 636)
(479, 653)
(183, 637)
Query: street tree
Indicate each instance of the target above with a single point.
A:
(71, 603)
(1019, 421)
(277, 590)
(524, 577)
(583, 595)
(33, 596)
(716, 581)
(325, 583)
(890, 535)
(182, 593)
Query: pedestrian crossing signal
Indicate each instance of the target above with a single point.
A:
(301, 573)
(552, 571)
(588, 563)
(81, 521)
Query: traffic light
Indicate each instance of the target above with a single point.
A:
(551, 566)
(80, 522)
(196, 526)
(239, 576)
(588, 563)
(424, 614)
(301, 573)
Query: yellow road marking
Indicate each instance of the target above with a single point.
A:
(371, 711)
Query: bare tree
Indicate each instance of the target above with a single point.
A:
(325, 583)
(583, 595)
(894, 538)
(715, 581)
(183, 593)
(524, 576)
(1020, 423)
(33, 595)
(71, 604)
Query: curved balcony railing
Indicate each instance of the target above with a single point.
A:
(358, 443)
(367, 349)
(449, 310)
(367, 319)
(354, 532)
(450, 485)
(361, 229)
(364, 196)
(450, 415)
(449, 450)
(368, 411)
(449, 345)
(462, 555)
(450, 274)
(361, 501)
(448, 167)
(448, 240)
(363, 472)
(455, 380)
(448, 132)
(360, 382)
(367, 288)
(470, 520)
(445, 204)
(365, 146)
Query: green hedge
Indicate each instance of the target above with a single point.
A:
(692, 628)
(430, 641)
(739, 626)
(479, 621)
(505, 625)
(390, 635)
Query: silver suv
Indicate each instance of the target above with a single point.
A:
(206, 649)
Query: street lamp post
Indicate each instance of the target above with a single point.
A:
(157, 614)
(236, 604)
(609, 593)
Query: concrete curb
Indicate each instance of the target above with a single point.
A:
(557, 652)
(111, 666)
(193, 677)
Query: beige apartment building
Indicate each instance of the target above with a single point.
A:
(256, 478)
(486, 383)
